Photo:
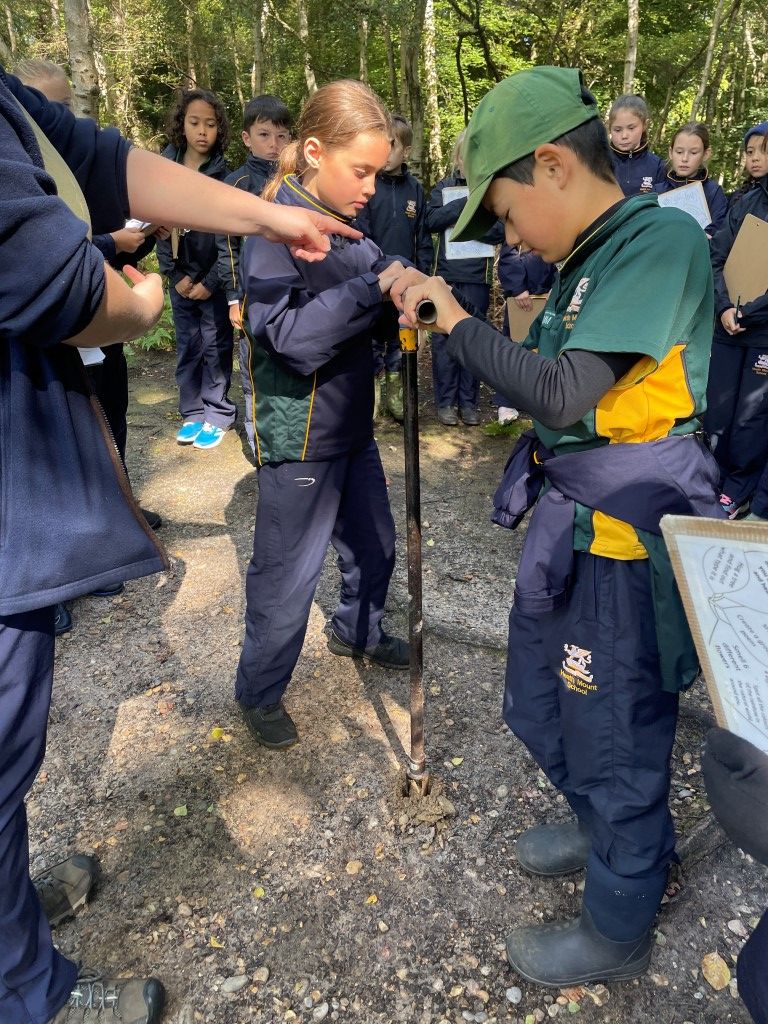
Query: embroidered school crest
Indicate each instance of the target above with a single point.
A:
(575, 670)
(647, 184)
(410, 208)
(761, 364)
(578, 296)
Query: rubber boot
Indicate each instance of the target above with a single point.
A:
(395, 395)
(556, 849)
(564, 954)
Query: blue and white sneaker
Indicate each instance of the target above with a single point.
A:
(209, 436)
(188, 431)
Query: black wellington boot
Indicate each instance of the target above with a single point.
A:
(562, 954)
(554, 849)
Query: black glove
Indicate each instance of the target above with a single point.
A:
(736, 777)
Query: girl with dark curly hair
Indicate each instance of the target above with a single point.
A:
(198, 130)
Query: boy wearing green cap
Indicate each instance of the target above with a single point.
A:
(613, 374)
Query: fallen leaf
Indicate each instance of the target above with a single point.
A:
(575, 994)
(456, 761)
(180, 811)
(716, 971)
(258, 892)
(354, 867)
(373, 898)
(213, 941)
(215, 734)
(430, 543)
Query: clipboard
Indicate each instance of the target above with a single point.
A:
(691, 199)
(519, 320)
(462, 250)
(721, 568)
(746, 269)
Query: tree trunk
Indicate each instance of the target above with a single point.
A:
(85, 79)
(708, 59)
(362, 36)
(391, 66)
(309, 71)
(12, 43)
(410, 49)
(191, 65)
(633, 31)
(257, 68)
(434, 149)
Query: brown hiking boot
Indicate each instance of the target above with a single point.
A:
(98, 1000)
(65, 888)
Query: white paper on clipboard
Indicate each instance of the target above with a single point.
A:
(690, 198)
(721, 568)
(462, 250)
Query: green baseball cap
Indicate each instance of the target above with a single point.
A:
(522, 112)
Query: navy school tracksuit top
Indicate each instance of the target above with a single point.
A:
(251, 177)
(638, 171)
(395, 218)
(308, 329)
(197, 253)
(754, 315)
(68, 522)
(441, 217)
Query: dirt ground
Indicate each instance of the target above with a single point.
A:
(272, 887)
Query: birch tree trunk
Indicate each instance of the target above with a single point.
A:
(362, 38)
(191, 65)
(434, 148)
(257, 68)
(410, 49)
(12, 43)
(633, 31)
(85, 79)
(309, 71)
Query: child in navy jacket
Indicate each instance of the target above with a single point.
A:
(688, 156)
(637, 169)
(454, 385)
(310, 368)
(737, 393)
(395, 220)
(199, 135)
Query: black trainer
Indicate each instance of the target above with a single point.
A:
(66, 887)
(551, 850)
(62, 621)
(271, 726)
(446, 414)
(564, 954)
(113, 591)
(389, 652)
(99, 1000)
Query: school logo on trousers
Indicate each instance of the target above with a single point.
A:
(575, 670)
(761, 364)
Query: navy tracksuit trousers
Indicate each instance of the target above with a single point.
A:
(204, 343)
(760, 498)
(302, 507)
(583, 692)
(454, 385)
(737, 416)
(35, 980)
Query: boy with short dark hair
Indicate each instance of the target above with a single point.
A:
(395, 220)
(266, 132)
(613, 373)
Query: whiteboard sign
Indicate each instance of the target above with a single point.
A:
(721, 569)
(462, 250)
(691, 199)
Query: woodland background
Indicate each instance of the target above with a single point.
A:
(431, 60)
